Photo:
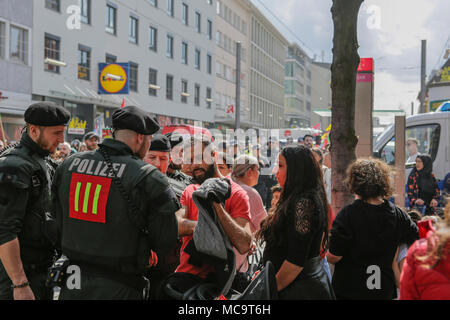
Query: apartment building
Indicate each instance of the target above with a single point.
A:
(169, 45)
(16, 23)
(297, 88)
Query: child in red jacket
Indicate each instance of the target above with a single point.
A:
(426, 272)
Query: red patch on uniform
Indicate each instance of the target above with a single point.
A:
(88, 197)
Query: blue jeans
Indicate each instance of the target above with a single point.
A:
(326, 266)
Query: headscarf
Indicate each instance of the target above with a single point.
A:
(426, 180)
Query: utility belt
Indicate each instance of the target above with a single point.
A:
(58, 275)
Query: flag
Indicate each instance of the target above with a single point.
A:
(123, 103)
(230, 109)
(329, 128)
(317, 126)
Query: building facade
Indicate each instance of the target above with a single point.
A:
(231, 27)
(16, 22)
(267, 54)
(297, 104)
(321, 94)
(169, 45)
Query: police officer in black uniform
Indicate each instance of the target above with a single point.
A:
(113, 211)
(177, 179)
(27, 229)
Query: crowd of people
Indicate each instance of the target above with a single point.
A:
(272, 196)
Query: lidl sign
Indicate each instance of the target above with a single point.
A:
(113, 78)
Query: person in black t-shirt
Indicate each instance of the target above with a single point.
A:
(297, 231)
(365, 235)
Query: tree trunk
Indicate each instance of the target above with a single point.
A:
(343, 85)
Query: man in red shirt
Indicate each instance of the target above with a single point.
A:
(234, 218)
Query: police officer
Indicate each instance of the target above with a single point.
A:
(113, 211)
(26, 238)
(177, 179)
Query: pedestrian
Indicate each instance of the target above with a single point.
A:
(426, 271)
(224, 164)
(366, 234)
(446, 189)
(423, 189)
(276, 194)
(308, 141)
(83, 147)
(64, 151)
(318, 154)
(412, 145)
(298, 230)
(91, 139)
(27, 245)
(234, 216)
(115, 213)
(75, 146)
(158, 154)
(246, 174)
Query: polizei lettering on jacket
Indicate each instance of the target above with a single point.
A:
(96, 168)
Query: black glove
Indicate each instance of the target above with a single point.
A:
(217, 190)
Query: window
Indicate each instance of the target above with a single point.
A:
(52, 45)
(153, 39)
(219, 8)
(86, 11)
(185, 15)
(170, 10)
(209, 29)
(169, 87)
(110, 58)
(218, 69)
(111, 15)
(154, 3)
(18, 45)
(198, 22)
(184, 91)
(133, 77)
(52, 4)
(2, 40)
(153, 80)
(184, 53)
(428, 137)
(84, 63)
(133, 36)
(209, 63)
(210, 2)
(197, 95)
(197, 59)
(169, 50)
(219, 38)
(208, 98)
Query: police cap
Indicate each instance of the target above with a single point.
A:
(47, 114)
(174, 138)
(160, 143)
(134, 119)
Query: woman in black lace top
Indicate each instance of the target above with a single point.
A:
(298, 230)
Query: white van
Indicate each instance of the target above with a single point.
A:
(432, 130)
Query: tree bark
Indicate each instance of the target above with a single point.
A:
(343, 86)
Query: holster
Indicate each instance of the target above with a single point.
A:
(57, 273)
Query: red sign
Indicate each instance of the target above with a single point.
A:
(88, 197)
(287, 133)
(365, 65)
(367, 77)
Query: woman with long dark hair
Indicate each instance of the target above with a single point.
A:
(422, 185)
(297, 232)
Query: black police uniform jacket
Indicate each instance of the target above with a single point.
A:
(25, 204)
(93, 215)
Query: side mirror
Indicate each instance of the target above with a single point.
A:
(377, 154)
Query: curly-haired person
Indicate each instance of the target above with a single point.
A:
(366, 234)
